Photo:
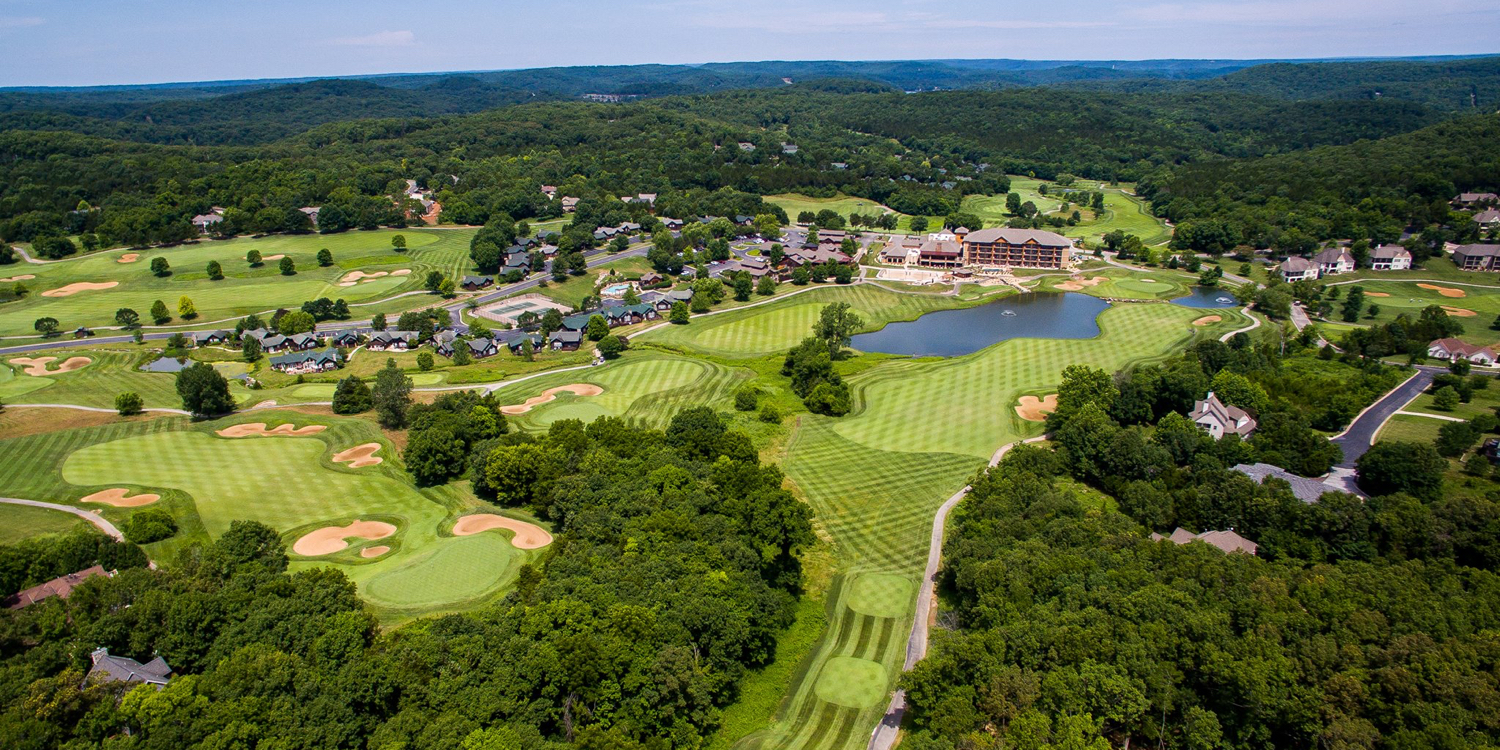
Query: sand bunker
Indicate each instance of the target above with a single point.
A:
(128, 258)
(330, 539)
(1446, 291)
(258, 429)
(359, 456)
(375, 551)
(265, 258)
(38, 365)
(117, 497)
(1459, 312)
(1205, 320)
(355, 277)
(1033, 409)
(1376, 294)
(81, 286)
(581, 389)
(22, 277)
(1077, 284)
(528, 536)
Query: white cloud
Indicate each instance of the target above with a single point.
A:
(20, 22)
(1296, 12)
(379, 39)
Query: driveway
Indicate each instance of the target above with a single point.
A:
(1361, 432)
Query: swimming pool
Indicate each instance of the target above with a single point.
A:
(616, 290)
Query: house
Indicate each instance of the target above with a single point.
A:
(744, 220)
(746, 146)
(550, 191)
(1221, 419)
(833, 236)
(628, 227)
(1226, 541)
(442, 343)
(650, 278)
(680, 295)
(205, 222)
(788, 148)
(940, 254)
(1470, 200)
(604, 233)
(1016, 248)
(565, 340)
(519, 261)
(392, 341)
(60, 587)
(1305, 489)
(517, 344)
(312, 212)
(1490, 217)
(270, 341)
(108, 668)
(301, 342)
(577, 321)
(302, 363)
(209, 338)
(346, 339)
(900, 251)
(839, 165)
(569, 204)
(475, 283)
(1390, 258)
(1453, 349)
(1333, 261)
(1479, 257)
(1298, 269)
(672, 223)
(625, 315)
(479, 348)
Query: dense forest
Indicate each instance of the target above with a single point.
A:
(675, 570)
(1358, 622)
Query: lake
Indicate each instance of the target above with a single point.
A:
(951, 333)
(167, 364)
(1204, 296)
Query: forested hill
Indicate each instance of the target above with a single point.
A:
(1371, 189)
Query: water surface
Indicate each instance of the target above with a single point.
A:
(1207, 297)
(951, 333)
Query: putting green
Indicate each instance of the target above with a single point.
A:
(853, 683)
(427, 378)
(576, 408)
(458, 569)
(282, 482)
(1143, 286)
(881, 594)
(314, 390)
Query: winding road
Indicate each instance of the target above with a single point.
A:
(99, 521)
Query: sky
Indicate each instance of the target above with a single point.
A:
(99, 42)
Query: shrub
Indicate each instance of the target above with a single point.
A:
(149, 525)
(747, 398)
(128, 403)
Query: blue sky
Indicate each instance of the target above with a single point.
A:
(90, 42)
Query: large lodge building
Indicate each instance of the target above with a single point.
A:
(983, 249)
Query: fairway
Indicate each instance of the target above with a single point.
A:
(843, 205)
(856, 683)
(776, 327)
(1119, 283)
(645, 387)
(881, 594)
(286, 483)
(244, 289)
(1406, 297)
(20, 522)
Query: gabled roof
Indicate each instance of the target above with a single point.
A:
(1390, 251)
(60, 587)
(1333, 255)
(1231, 418)
(123, 669)
(1460, 347)
(1227, 541)
(1307, 490)
(1018, 237)
(1297, 265)
(1477, 250)
(566, 336)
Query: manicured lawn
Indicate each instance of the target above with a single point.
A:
(1121, 211)
(1122, 284)
(1409, 298)
(844, 205)
(648, 387)
(290, 484)
(572, 291)
(1409, 429)
(1441, 269)
(112, 371)
(244, 289)
(20, 522)
(776, 327)
(1482, 402)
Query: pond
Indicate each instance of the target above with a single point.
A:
(167, 364)
(1207, 296)
(951, 333)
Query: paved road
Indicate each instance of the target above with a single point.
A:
(104, 526)
(886, 731)
(1361, 433)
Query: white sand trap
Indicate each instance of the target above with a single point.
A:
(1376, 294)
(1446, 291)
(330, 539)
(118, 498)
(258, 429)
(22, 277)
(38, 365)
(1078, 283)
(528, 536)
(1033, 409)
(359, 456)
(265, 258)
(1205, 320)
(401, 272)
(1459, 312)
(375, 551)
(81, 286)
(128, 258)
(580, 389)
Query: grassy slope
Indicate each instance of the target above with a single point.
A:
(245, 289)
(1406, 297)
(648, 387)
(18, 522)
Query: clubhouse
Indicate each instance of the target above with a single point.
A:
(999, 248)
